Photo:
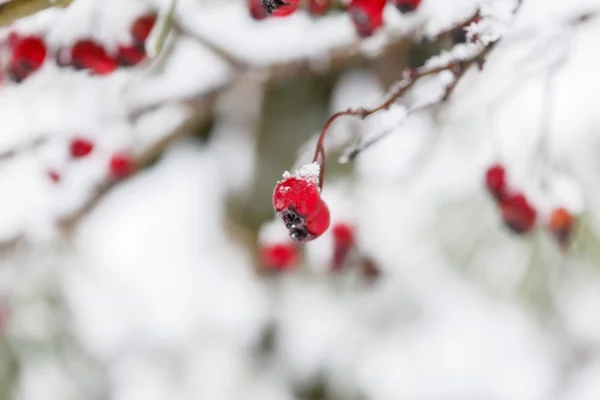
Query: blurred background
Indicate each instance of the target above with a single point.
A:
(140, 256)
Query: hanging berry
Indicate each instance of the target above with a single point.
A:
(80, 147)
(280, 8)
(141, 28)
(121, 165)
(495, 182)
(28, 55)
(279, 256)
(297, 201)
(560, 225)
(366, 15)
(87, 54)
(406, 6)
(343, 241)
(518, 215)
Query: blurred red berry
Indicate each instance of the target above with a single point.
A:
(315, 226)
(129, 56)
(81, 147)
(87, 54)
(141, 28)
(280, 8)
(519, 216)
(343, 241)
(257, 10)
(560, 224)
(318, 7)
(121, 165)
(495, 182)
(28, 55)
(366, 15)
(406, 6)
(54, 176)
(279, 256)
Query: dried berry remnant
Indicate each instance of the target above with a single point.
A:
(80, 147)
(90, 55)
(518, 215)
(560, 225)
(279, 256)
(141, 28)
(495, 182)
(366, 15)
(407, 6)
(28, 55)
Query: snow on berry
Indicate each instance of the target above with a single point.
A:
(80, 147)
(366, 15)
(518, 214)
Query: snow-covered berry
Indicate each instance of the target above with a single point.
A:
(28, 55)
(560, 225)
(518, 215)
(366, 15)
(406, 6)
(80, 147)
(495, 181)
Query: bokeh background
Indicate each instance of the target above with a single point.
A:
(152, 286)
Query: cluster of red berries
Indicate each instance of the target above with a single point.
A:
(28, 53)
(517, 212)
(366, 15)
(120, 165)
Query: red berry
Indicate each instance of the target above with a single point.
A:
(141, 28)
(121, 165)
(318, 7)
(280, 8)
(28, 55)
(87, 54)
(279, 256)
(343, 240)
(406, 6)
(81, 147)
(315, 226)
(54, 176)
(297, 195)
(256, 10)
(366, 15)
(128, 56)
(560, 224)
(519, 216)
(495, 181)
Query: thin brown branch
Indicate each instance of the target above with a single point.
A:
(16, 9)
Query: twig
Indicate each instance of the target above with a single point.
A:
(16, 9)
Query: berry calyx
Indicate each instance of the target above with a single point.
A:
(121, 165)
(279, 256)
(343, 241)
(141, 28)
(280, 8)
(87, 54)
(518, 215)
(495, 182)
(28, 55)
(80, 147)
(560, 225)
(366, 15)
(407, 6)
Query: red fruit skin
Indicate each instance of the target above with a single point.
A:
(366, 15)
(279, 8)
(28, 55)
(318, 7)
(560, 225)
(495, 182)
(81, 147)
(284, 10)
(318, 224)
(343, 241)
(141, 28)
(301, 195)
(256, 10)
(407, 6)
(87, 54)
(280, 256)
(129, 56)
(518, 215)
(121, 165)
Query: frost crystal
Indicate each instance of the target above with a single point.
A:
(308, 172)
